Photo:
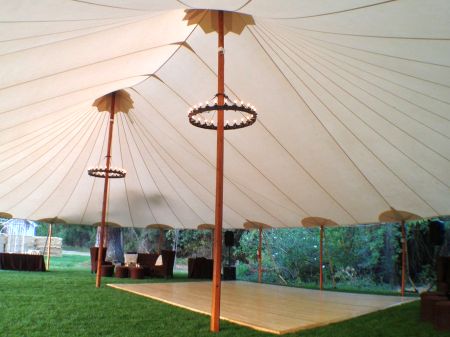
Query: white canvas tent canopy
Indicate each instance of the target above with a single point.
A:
(352, 96)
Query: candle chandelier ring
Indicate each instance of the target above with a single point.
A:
(113, 172)
(200, 115)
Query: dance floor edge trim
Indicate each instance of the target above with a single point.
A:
(126, 288)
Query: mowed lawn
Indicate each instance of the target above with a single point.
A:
(65, 302)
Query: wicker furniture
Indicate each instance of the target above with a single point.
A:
(94, 258)
(166, 270)
(441, 315)
(427, 302)
(121, 272)
(136, 272)
(147, 261)
(107, 270)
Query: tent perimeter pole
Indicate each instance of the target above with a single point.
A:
(98, 280)
(403, 256)
(49, 245)
(260, 256)
(321, 258)
(216, 284)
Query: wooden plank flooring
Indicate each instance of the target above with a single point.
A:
(265, 307)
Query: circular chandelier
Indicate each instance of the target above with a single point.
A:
(113, 172)
(203, 114)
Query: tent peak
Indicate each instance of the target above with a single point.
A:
(123, 102)
(207, 20)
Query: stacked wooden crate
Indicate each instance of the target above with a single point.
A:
(17, 244)
(55, 248)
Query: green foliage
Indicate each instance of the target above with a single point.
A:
(72, 235)
(359, 256)
(192, 242)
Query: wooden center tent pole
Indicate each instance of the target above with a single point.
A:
(217, 268)
(259, 255)
(105, 193)
(321, 257)
(49, 245)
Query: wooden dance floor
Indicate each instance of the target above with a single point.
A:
(264, 307)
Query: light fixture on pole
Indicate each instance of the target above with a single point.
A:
(211, 116)
(203, 115)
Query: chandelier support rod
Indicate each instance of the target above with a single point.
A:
(98, 280)
(217, 269)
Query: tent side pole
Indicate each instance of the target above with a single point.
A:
(49, 245)
(98, 280)
(216, 284)
(403, 256)
(321, 259)
(260, 256)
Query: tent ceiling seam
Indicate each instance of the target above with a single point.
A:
(321, 56)
(57, 124)
(118, 119)
(335, 12)
(42, 167)
(105, 121)
(96, 127)
(72, 92)
(359, 35)
(109, 26)
(145, 132)
(83, 66)
(82, 172)
(368, 107)
(389, 70)
(372, 52)
(39, 148)
(89, 3)
(318, 119)
(362, 143)
(165, 177)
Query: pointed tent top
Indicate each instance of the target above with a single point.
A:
(316, 221)
(205, 226)
(54, 220)
(207, 20)
(394, 215)
(123, 102)
(159, 226)
(5, 215)
(256, 225)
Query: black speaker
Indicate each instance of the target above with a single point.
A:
(437, 232)
(229, 239)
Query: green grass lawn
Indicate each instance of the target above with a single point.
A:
(65, 302)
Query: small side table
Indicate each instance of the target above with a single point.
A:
(229, 273)
(121, 271)
(136, 272)
(441, 315)
(427, 303)
(107, 270)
